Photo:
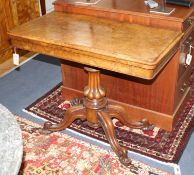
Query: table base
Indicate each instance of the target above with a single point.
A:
(98, 113)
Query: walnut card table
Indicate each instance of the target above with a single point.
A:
(115, 48)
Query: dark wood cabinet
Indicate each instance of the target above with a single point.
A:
(161, 99)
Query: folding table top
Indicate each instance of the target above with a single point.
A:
(130, 49)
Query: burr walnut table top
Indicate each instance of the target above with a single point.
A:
(130, 49)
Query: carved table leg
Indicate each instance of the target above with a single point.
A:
(71, 114)
(109, 130)
(118, 112)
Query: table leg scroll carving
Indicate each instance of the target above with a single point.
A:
(118, 112)
(109, 130)
(73, 113)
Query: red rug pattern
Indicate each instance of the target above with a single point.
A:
(61, 154)
(158, 143)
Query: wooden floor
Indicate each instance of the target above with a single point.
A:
(7, 66)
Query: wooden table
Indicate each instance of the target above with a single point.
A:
(122, 49)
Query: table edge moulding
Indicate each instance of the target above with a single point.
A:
(131, 60)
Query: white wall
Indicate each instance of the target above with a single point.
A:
(49, 6)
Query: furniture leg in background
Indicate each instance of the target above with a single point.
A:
(43, 7)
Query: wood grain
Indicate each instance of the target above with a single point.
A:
(27, 10)
(5, 51)
(115, 46)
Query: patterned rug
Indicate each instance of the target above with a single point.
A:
(157, 143)
(61, 154)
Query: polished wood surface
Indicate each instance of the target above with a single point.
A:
(130, 11)
(102, 43)
(7, 22)
(27, 10)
